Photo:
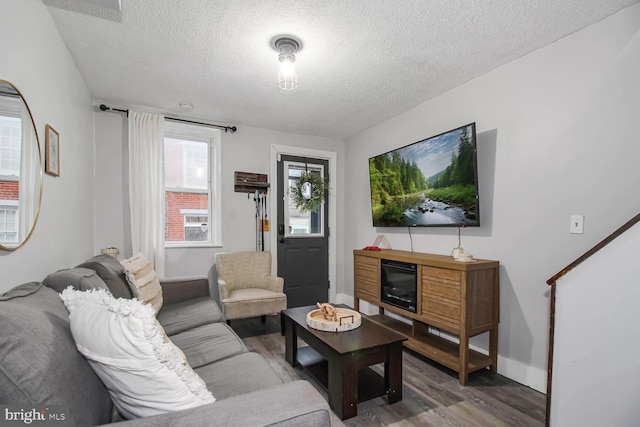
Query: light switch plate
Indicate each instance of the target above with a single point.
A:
(577, 224)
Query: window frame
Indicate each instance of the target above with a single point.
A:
(213, 137)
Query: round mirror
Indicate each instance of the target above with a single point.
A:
(20, 169)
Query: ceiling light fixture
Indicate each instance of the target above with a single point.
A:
(287, 46)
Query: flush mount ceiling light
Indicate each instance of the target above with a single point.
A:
(287, 46)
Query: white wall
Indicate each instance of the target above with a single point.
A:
(35, 59)
(247, 150)
(112, 227)
(595, 363)
(557, 135)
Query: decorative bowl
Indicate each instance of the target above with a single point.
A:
(347, 320)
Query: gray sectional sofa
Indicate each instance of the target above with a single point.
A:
(40, 364)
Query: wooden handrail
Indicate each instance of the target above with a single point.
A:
(595, 249)
(552, 303)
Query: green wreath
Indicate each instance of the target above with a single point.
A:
(308, 202)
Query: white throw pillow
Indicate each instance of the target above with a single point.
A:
(143, 280)
(145, 373)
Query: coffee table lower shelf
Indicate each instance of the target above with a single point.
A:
(370, 383)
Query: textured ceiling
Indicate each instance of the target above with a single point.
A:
(361, 61)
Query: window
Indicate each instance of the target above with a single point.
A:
(192, 186)
(10, 137)
(8, 222)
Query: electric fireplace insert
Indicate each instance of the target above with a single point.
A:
(399, 284)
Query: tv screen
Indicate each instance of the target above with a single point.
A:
(430, 183)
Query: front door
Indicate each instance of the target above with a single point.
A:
(303, 237)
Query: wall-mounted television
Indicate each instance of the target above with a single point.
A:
(430, 183)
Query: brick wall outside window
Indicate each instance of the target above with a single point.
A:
(174, 221)
(9, 190)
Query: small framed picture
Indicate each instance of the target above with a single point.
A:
(52, 150)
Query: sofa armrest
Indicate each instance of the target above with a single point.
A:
(288, 405)
(184, 288)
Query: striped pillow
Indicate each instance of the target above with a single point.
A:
(143, 280)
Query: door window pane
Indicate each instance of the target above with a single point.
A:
(297, 223)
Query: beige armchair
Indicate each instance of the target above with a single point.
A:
(246, 286)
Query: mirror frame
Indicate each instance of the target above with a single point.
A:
(40, 172)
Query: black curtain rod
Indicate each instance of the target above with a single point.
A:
(231, 129)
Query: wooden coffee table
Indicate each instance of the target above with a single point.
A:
(340, 361)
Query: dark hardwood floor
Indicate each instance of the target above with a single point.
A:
(432, 395)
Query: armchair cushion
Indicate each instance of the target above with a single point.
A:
(244, 303)
(249, 294)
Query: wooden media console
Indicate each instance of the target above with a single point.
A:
(459, 298)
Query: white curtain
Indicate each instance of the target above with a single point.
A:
(30, 175)
(146, 186)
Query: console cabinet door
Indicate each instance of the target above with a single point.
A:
(367, 278)
(441, 297)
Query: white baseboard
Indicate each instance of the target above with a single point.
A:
(344, 299)
(519, 372)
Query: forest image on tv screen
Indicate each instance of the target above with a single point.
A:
(432, 182)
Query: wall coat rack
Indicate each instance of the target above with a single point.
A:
(249, 182)
(258, 185)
